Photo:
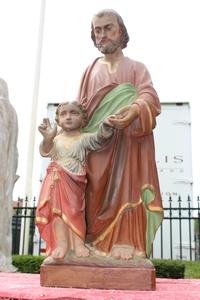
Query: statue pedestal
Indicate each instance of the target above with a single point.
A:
(100, 273)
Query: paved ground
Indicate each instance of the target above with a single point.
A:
(27, 286)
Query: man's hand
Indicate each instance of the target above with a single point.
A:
(124, 117)
(46, 130)
(108, 120)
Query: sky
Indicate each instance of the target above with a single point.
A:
(39, 69)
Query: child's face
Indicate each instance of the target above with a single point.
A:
(70, 117)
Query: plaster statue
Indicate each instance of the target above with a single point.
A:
(124, 208)
(8, 162)
(123, 203)
(60, 214)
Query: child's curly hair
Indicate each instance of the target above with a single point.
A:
(80, 106)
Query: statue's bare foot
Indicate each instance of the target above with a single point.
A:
(49, 261)
(139, 253)
(82, 251)
(60, 251)
(122, 252)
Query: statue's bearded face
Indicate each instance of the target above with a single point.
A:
(110, 48)
(107, 33)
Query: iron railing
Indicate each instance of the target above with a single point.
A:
(177, 238)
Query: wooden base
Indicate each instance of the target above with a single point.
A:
(100, 273)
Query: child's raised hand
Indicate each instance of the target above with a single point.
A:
(46, 130)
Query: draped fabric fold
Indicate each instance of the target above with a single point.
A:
(62, 195)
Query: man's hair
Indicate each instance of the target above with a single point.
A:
(80, 106)
(124, 38)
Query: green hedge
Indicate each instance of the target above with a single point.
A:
(164, 268)
(169, 268)
(27, 263)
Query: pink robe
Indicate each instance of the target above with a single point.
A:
(120, 176)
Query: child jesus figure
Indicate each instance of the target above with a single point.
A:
(60, 214)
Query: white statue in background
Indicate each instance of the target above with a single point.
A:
(8, 177)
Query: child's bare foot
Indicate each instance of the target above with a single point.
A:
(60, 251)
(52, 261)
(82, 251)
(49, 261)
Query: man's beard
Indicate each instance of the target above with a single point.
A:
(109, 48)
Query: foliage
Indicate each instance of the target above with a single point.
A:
(192, 269)
(27, 263)
(169, 268)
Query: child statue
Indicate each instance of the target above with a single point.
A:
(60, 214)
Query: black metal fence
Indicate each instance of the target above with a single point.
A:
(177, 238)
(24, 232)
(179, 234)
